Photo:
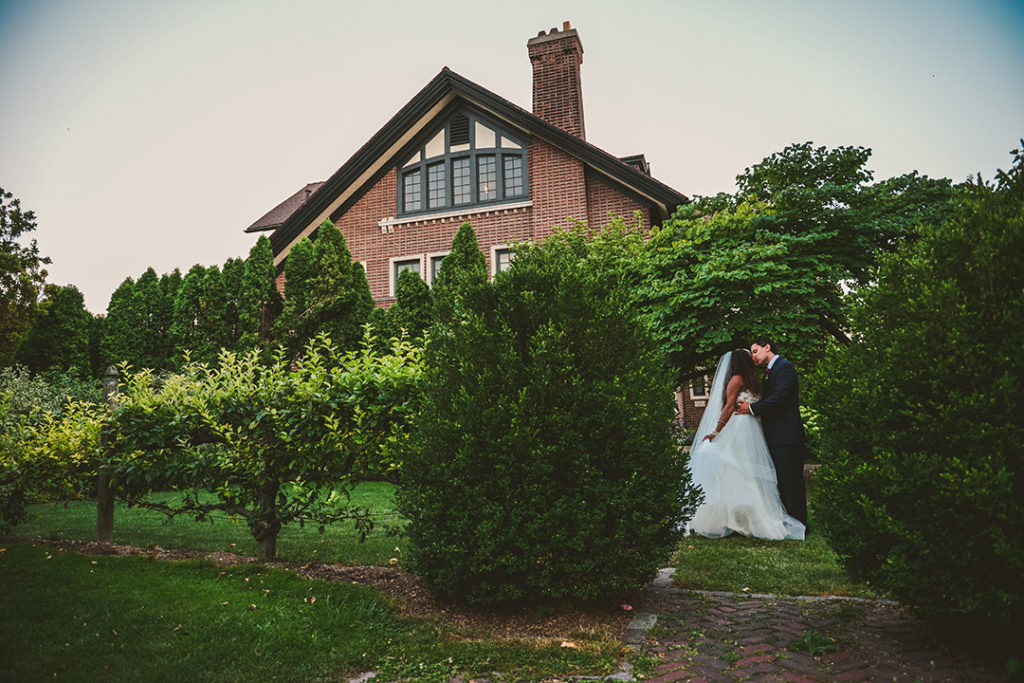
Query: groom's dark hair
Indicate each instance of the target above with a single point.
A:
(766, 341)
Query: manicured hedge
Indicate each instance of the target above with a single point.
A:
(543, 464)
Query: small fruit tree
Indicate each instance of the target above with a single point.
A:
(275, 444)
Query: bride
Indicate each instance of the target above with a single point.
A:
(731, 463)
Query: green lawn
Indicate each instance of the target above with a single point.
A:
(78, 617)
(86, 618)
(740, 564)
(140, 527)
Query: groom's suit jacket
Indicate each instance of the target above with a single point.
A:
(779, 410)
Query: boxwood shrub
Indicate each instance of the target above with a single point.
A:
(921, 422)
(543, 463)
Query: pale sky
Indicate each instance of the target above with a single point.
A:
(150, 134)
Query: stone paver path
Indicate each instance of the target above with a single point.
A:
(701, 636)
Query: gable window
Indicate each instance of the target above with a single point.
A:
(437, 187)
(411, 188)
(468, 162)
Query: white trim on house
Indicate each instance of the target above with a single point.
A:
(495, 248)
(392, 278)
(429, 279)
(388, 225)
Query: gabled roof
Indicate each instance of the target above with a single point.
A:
(273, 219)
(442, 94)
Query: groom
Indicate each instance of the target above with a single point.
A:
(779, 410)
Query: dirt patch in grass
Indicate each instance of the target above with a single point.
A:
(544, 621)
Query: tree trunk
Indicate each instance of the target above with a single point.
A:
(266, 526)
(104, 494)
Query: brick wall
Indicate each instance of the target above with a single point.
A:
(602, 200)
(557, 91)
(559, 189)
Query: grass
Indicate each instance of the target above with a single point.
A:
(129, 618)
(140, 527)
(87, 618)
(740, 564)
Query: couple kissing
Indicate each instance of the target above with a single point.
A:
(748, 452)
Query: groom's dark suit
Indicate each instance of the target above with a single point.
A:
(779, 411)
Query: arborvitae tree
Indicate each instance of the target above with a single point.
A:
(340, 295)
(122, 334)
(462, 269)
(150, 304)
(260, 301)
(213, 324)
(60, 337)
(163, 317)
(325, 292)
(298, 271)
(137, 327)
(233, 273)
(97, 324)
(413, 310)
(187, 312)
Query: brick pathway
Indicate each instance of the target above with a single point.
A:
(701, 636)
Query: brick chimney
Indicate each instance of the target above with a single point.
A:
(557, 96)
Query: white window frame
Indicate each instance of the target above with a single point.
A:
(429, 279)
(392, 279)
(699, 401)
(494, 256)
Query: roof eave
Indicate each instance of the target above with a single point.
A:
(405, 124)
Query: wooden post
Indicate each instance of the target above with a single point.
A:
(104, 495)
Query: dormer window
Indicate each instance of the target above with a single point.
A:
(469, 162)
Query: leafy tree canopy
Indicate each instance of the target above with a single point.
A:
(776, 257)
(60, 338)
(21, 275)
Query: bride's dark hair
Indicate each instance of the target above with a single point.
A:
(741, 363)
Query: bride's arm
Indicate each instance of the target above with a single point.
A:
(732, 390)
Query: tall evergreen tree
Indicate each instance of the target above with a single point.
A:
(463, 269)
(162, 317)
(298, 272)
(213, 324)
(260, 301)
(187, 313)
(325, 292)
(413, 310)
(60, 338)
(233, 273)
(149, 302)
(341, 299)
(123, 330)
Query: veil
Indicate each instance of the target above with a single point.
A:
(713, 409)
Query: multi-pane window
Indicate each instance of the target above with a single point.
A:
(502, 259)
(437, 187)
(487, 177)
(514, 186)
(412, 193)
(462, 191)
(399, 266)
(468, 161)
(435, 267)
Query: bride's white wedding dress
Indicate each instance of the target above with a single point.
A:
(737, 475)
